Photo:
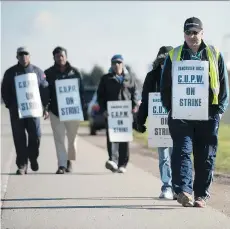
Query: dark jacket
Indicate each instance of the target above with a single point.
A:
(53, 74)
(166, 81)
(8, 89)
(151, 84)
(110, 89)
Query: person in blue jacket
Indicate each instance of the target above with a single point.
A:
(27, 148)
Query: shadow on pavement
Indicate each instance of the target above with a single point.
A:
(144, 207)
(84, 198)
(66, 174)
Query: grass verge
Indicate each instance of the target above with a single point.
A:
(84, 124)
(223, 153)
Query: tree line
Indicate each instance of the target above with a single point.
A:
(92, 78)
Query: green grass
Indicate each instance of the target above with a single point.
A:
(84, 124)
(223, 154)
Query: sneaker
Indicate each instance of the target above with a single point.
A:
(34, 165)
(166, 194)
(111, 165)
(61, 170)
(69, 167)
(22, 170)
(122, 169)
(185, 199)
(200, 202)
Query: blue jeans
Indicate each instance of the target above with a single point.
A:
(201, 138)
(165, 167)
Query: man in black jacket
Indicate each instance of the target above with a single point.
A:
(118, 84)
(152, 84)
(62, 70)
(30, 125)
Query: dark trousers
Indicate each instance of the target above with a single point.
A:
(109, 144)
(27, 146)
(201, 138)
(118, 151)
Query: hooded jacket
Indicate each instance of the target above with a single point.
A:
(152, 83)
(112, 89)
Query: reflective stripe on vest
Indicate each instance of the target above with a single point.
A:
(213, 55)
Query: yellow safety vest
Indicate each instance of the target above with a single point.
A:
(213, 55)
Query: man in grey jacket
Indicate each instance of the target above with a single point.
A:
(118, 84)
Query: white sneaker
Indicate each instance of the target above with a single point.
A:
(166, 194)
(111, 165)
(122, 170)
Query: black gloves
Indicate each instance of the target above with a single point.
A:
(139, 128)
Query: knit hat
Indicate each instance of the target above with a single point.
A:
(162, 54)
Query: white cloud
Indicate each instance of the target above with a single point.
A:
(45, 30)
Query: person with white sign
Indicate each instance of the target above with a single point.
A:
(118, 85)
(25, 93)
(195, 93)
(120, 121)
(161, 137)
(65, 107)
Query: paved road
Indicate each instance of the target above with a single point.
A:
(7, 149)
(91, 197)
(147, 160)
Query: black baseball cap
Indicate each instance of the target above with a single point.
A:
(193, 24)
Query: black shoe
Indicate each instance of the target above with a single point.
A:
(69, 167)
(34, 165)
(61, 170)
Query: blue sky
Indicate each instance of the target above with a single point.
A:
(93, 31)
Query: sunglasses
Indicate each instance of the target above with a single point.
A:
(23, 54)
(117, 62)
(188, 32)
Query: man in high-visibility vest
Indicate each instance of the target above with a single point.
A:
(197, 136)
